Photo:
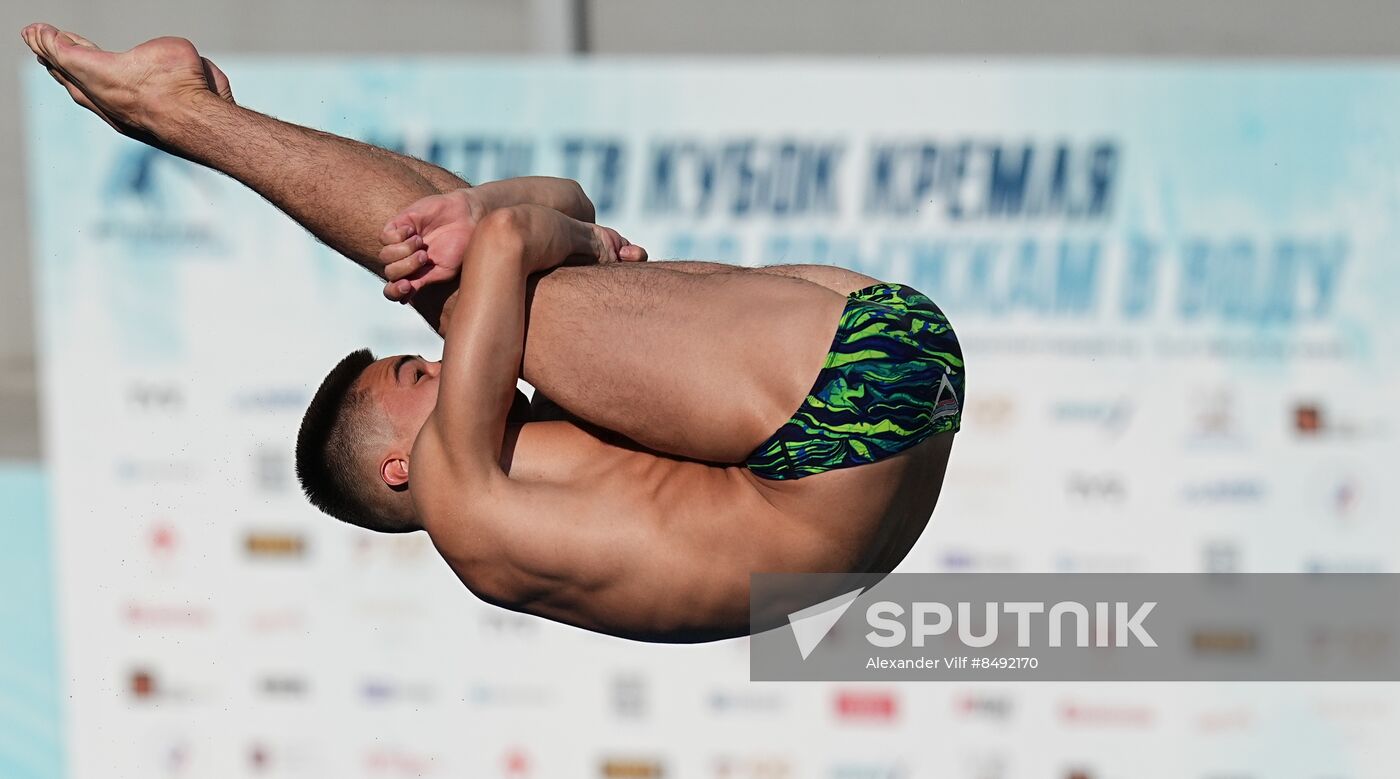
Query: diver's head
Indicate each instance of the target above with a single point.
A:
(357, 437)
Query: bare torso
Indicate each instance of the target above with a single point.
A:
(706, 370)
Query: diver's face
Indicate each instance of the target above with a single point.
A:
(404, 389)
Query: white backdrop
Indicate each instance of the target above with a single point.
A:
(1174, 290)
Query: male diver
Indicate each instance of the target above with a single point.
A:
(723, 421)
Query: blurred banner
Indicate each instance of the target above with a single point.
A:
(1175, 288)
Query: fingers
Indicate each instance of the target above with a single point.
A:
(632, 253)
(398, 291)
(399, 229)
(408, 266)
(218, 82)
(402, 290)
(398, 250)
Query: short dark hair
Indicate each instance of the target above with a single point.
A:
(330, 449)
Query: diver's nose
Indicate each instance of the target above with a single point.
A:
(433, 368)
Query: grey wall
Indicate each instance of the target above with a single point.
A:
(1195, 28)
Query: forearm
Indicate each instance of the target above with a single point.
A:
(562, 195)
(486, 334)
(341, 190)
(481, 357)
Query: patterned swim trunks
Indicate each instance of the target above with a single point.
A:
(893, 377)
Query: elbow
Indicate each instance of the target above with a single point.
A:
(505, 228)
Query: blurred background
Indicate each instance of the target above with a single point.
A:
(1166, 234)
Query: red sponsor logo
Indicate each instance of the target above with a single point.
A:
(866, 706)
(1126, 715)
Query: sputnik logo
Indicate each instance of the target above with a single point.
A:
(810, 625)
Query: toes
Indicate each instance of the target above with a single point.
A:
(81, 41)
(217, 80)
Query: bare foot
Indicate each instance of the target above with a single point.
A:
(129, 90)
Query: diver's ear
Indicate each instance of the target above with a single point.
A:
(394, 471)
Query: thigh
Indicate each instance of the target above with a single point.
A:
(836, 279)
(700, 365)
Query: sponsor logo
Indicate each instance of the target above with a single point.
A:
(866, 706)
(1307, 419)
(142, 684)
(505, 624)
(1353, 709)
(1097, 563)
(734, 767)
(1227, 720)
(145, 684)
(144, 188)
(1356, 646)
(272, 469)
(629, 697)
(268, 758)
(147, 615)
(739, 701)
(1107, 715)
(965, 560)
(1110, 417)
(155, 471)
(391, 761)
(272, 545)
(277, 620)
(390, 691)
(1213, 419)
(1096, 488)
(631, 768)
(282, 686)
(993, 707)
(1220, 557)
(175, 758)
(161, 540)
(1313, 419)
(1231, 491)
(1345, 565)
(515, 764)
(989, 412)
(496, 695)
(155, 398)
(270, 399)
(1224, 642)
(1344, 496)
(870, 771)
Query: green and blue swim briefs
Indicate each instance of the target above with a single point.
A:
(893, 377)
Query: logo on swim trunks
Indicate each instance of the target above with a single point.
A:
(947, 403)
